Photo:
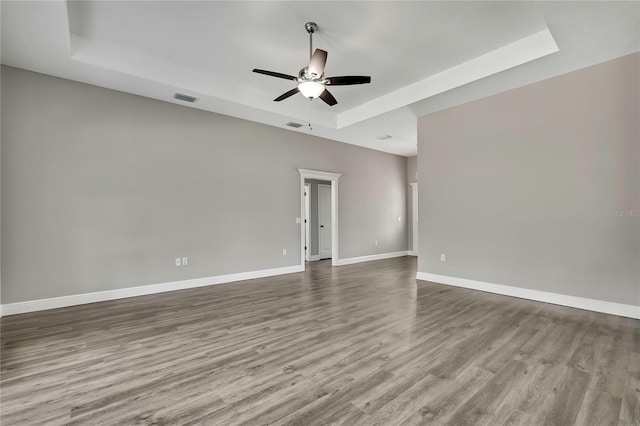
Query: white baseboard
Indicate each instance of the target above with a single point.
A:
(613, 308)
(412, 253)
(352, 260)
(121, 293)
(314, 257)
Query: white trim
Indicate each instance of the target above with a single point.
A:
(613, 308)
(121, 293)
(307, 221)
(333, 177)
(371, 257)
(315, 174)
(334, 224)
(414, 219)
(314, 257)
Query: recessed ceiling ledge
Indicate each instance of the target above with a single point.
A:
(517, 53)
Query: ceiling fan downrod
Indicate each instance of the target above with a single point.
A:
(311, 28)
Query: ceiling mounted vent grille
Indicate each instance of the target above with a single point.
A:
(186, 98)
(292, 124)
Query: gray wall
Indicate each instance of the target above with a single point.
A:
(412, 177)
(524, 188)
(102, 190)
(313, 212)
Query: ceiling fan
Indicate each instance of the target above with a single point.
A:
(311, 80)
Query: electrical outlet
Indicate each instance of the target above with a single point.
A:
(375, 243)
(443, 257)
(178, 261)
(284, 252)
(185, 261)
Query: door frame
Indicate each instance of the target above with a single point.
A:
(414, 219)
(319, 224)
(307, 221)
(333, 178)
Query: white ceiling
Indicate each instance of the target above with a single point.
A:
(422, 56)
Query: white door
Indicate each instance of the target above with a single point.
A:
(324, 221)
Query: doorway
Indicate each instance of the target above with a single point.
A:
(317, 220)
(329, 230)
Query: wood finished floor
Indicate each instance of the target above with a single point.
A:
(360, 344)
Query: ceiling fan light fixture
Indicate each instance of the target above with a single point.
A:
(311, 89)
(311, 80)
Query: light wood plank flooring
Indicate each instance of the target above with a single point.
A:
(356, 345)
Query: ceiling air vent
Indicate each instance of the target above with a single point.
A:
(292, 124)
(186, 98)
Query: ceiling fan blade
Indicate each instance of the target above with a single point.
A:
(318, 60)
(286, 95)
(328, 98)
(274, 74)
(348, 80)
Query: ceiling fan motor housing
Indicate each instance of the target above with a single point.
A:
(306, 75)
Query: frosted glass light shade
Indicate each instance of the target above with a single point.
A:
(310, 89)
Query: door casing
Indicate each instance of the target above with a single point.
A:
(333, 178)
